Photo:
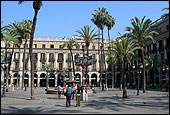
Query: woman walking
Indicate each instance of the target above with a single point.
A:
(68, 95)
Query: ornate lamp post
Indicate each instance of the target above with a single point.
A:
(84, 62)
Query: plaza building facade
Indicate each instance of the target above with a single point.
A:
(48, 50)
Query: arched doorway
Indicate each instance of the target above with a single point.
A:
(51, 80)
(94, 79)
(77, 77)
(15, 82)
(43, 80)
(109, 80)
(35, 79)
(60, 80)
(26, 80)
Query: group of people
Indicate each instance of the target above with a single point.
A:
(69, 91)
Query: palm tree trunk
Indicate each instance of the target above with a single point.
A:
(5, 67)
(144, 77)
(31, 55)
(108, 34)
(23, 70)
(112, 77)
(120, 66)
(99, 56)
(124, 80)
(9, 67)
(102, 57)
(72, 63)
(47, 83)
(87, 45)
(17, 85)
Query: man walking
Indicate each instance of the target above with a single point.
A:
(68, 95)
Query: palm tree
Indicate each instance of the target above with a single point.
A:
(166, 14)
(36, 5)
(70, 45)
(110, 22)
(48, 68)
(26, 28)
(9, 36)
(87, 35)
(141, 31)
(124, 49)
(101, 15)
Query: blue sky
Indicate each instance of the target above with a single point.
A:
(63, 18)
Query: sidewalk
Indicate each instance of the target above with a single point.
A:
(103, 102)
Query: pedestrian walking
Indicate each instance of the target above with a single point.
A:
(78, 95)
(74, 91)
(68, 95)
(64, 89)
(59, 91)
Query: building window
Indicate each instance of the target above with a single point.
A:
(60, 46)
(60, 57)
(51, 56)
(60, 66)
(35, 45)
(35, 55)
(16, 56)
(42, 55)
(167, 27)
(26, 45)
(17, 46)
(35, 65)
(51, 46)
(93, 47)
(43, 46)
(8, 45)
(16, 65)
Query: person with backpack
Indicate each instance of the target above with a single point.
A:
(68, 95)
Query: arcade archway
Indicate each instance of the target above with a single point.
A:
(43, 80)
(94, 79)
(51, 80)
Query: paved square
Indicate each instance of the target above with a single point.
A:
(103, 102)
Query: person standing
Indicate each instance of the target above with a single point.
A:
(74, 90)
(78, 96)
(68, 95)
(59, 91)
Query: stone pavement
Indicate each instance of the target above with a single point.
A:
(103, 102)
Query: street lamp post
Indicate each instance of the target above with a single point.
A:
(84, 62)
(4, 84)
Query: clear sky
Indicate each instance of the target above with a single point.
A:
(63, 18)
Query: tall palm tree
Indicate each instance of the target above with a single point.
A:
(9, 37)
(101, 21)
(110, 22)
(70, 45)
(125, 48)
(141, 31)
(26, 28)
(87, 35)
(36, 5)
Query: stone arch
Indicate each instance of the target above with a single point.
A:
(51, 80)
(35, 79)
(26, 77)
(43, 80)
(77, 77)
(15, 79)
(94, 79)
